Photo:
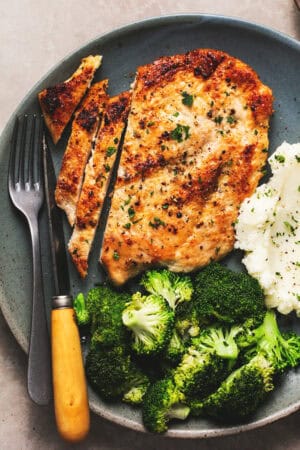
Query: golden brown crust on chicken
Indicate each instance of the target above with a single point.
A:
(84, 129)
(59, 102)
(96, 180)
(195, 145)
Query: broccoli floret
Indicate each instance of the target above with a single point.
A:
(135, 395)
(151, 321)
(281, 350)
(137, 385)
(199, 373)
(220, 340)
(82, 314)
(174, 350)
(113, 374)
(240, 394)
(227, 296)
(172, 287)
(163, 402)
(105, 307)
(186, 320)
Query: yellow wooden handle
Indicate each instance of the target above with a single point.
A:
(69, 384)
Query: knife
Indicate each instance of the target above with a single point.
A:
(69, 384)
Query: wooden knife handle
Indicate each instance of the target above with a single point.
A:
(69, 384)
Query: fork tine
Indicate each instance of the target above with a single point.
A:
(38, 146)
(12, 158)
(20, 152)
(29, 180)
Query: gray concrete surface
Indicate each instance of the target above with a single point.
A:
(34, 35)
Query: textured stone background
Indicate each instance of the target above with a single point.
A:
(35, 35)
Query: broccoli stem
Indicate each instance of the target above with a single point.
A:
(178, 411)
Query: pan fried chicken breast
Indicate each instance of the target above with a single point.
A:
(96, 180)
(84, 129)
(59, 102)
(195, 147)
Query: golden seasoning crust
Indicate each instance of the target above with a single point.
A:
(195, 146)
(59, 102)
(84, 128)
(96, 180)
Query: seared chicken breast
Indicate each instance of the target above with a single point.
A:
(59, 102)
(84, 129)
(96, 180)
(195, 147)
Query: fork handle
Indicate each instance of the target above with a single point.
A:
(39, 358)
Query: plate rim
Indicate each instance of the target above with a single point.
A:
(125, 28)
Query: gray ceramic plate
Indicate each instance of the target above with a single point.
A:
(274, 56)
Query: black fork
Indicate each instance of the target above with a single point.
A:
(26, 192)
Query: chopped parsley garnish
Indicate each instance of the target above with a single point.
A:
(107, 167)
(176, 114)
(187, 99)
(131, 212)
(110, 151)
(231, 120)
(297, 158)
(127, 201)
(280, 158)
(156, 223)
(116, 140)
(290, 228)
(116, 255)
(180, 133)
(127, 225)
(165, 206)
(255, 132)
(218, 119)
(149, 124)
(265, 150)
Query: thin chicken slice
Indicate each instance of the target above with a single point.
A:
(59, 102)
(84, 130)
(96, 181)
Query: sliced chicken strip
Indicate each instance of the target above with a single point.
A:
(59, 102)
(96, 180)
(84, 130)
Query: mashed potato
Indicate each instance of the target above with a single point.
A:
(268, 229)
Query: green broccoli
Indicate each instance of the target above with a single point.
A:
(174, 350)
(199, 373)
(186, 320)
(135, 394)
(82, 314)
(172, 287)
(137, 385)
(113, 374)
(220, 340)
(163, 402)
(105, 307)
(240, 394)
(282, 350)
(151, 321)
(227, 296)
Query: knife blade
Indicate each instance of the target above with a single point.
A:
(69, 385)
(55, 223)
